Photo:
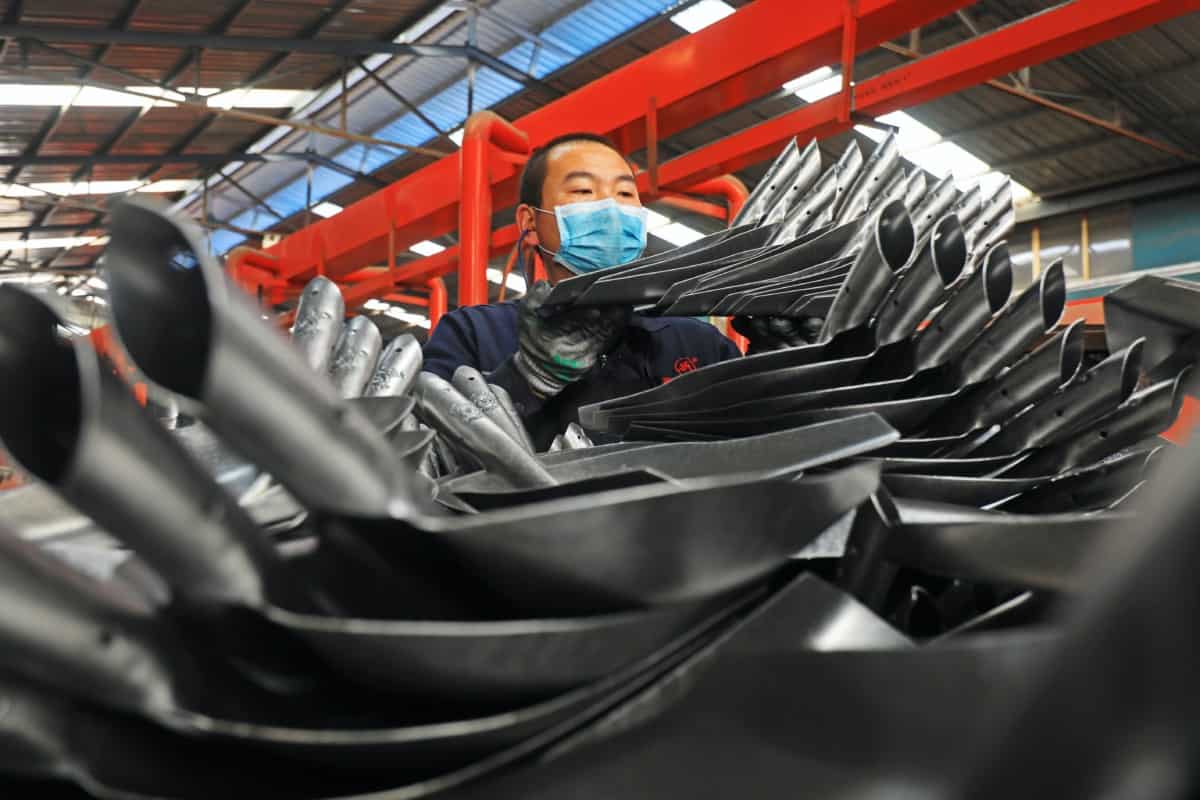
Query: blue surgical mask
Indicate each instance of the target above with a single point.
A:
(598, 234)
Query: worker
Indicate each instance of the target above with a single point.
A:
(579, 209)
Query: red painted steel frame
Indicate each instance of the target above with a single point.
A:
(717, 69)
(740, 58)
(1050, 34)
(483, 129)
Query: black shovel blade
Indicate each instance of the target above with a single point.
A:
(1165, 312)
(1045, 551)
(188, 329)
(723, 533)
(721, 245)
(797, 449)
(594, 416)
(1146, 413)
(1090, 396)
(1092, 487)
(734, 713)
(758, 417)
(956, 489)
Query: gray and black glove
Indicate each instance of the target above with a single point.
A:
(775, 333)
(556, 349)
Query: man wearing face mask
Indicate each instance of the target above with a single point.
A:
(579, 208)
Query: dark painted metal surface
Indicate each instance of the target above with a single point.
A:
(1094, 393)
(966, 312)
(1019, 326)
(1044, 551)
(937, 263)
(723, 533)
(887, 250)
(1146, 413)
(189, 331)
(797, 449)
(1036, 376)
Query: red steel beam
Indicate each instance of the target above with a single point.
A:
(740, 58)
(1048, 35)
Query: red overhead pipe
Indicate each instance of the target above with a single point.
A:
(484, 128)
(729, 187)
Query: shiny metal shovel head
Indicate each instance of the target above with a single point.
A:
(994, 209)
(915, 186)
(872, 179)
(1093, 394)
(809, 211)
(934, 205)
(799, 182)
(872, 272)
(354, 356)
(966, 312)
(398, 367)
(71, 423)
(187, 329)
(756, 204)
(1019, 326)
(473, 386)
(937, 264)
(1036, 376)
(1146, 413)
(318, 322)
(463, 423)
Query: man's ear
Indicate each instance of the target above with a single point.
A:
(525, 224)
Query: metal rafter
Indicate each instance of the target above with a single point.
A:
(1134, 100)
(203, 159)
(220, 26)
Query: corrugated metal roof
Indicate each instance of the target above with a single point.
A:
(1144, 81)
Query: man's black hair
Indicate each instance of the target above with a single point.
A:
(534, 174)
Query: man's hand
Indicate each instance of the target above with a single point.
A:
(557, 349)
(775, 333)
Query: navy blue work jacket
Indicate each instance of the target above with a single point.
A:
(653, 350)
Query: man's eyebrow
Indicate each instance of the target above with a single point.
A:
(579, 174)
(629, 178)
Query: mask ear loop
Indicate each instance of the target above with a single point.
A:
(525, 258)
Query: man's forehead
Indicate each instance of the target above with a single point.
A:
(586, 156)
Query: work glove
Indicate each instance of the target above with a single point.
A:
(557, 348)
(775, 333)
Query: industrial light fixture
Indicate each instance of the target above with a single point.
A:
(77, 188)
(52, 243)
(326, 209)
(702, 14)
(408, 316)
(816, 85)
(514, 281)
(39, 94)
(926, 148)
(664, 228)
(426, 248)
(917, 142)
